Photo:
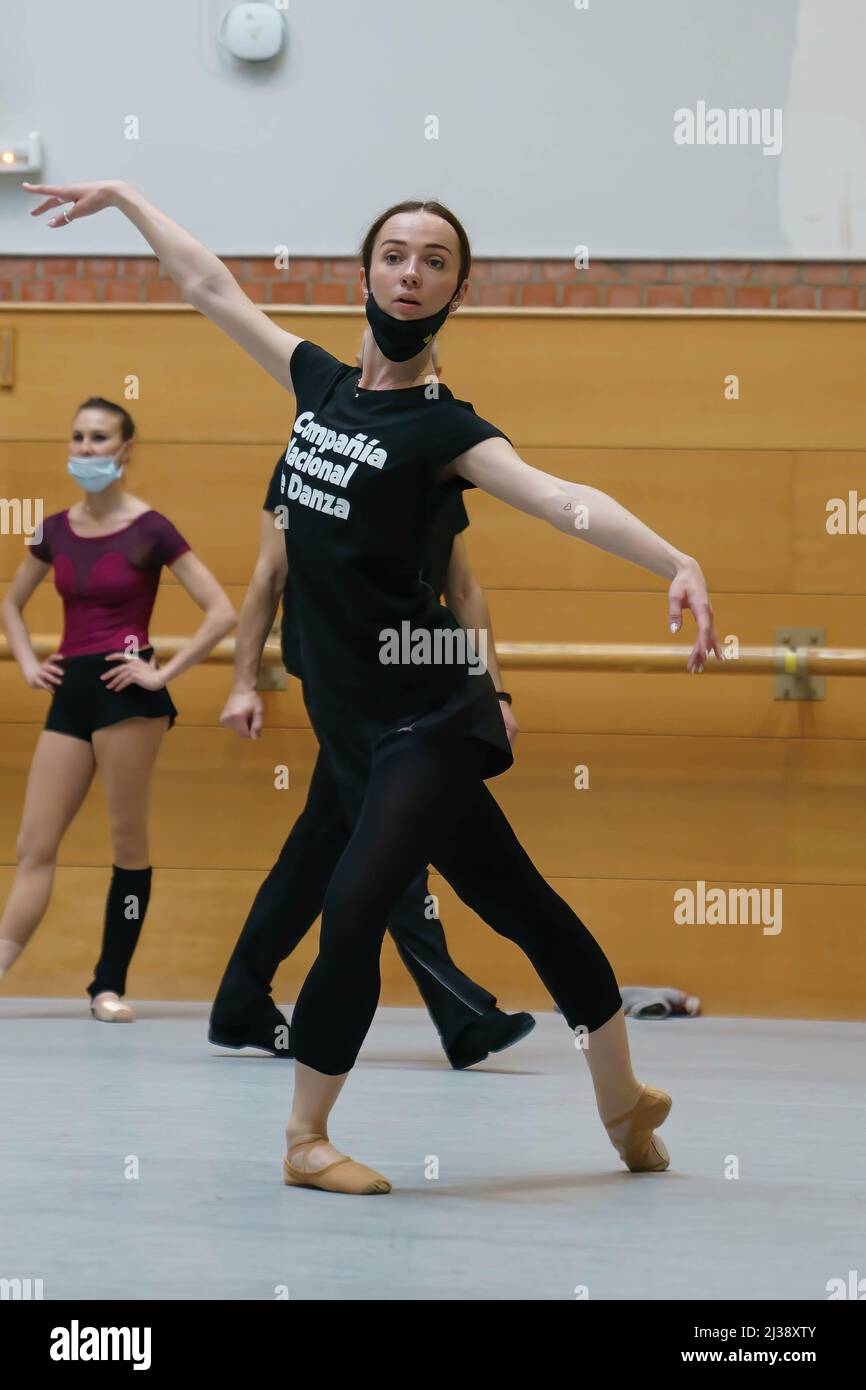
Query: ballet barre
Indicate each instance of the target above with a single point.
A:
(800, 662)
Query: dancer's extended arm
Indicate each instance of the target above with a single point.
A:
(203, 279)
(588, 514)
(244, 711)
(219, 619)
(40, 675)
(466, 600)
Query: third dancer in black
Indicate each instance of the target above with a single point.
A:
(290, 899)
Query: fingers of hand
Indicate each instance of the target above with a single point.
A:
(55, 196)
(237, 723)
(117, 677)
(69, 214)
(61, 218)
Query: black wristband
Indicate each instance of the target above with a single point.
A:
(503, 695)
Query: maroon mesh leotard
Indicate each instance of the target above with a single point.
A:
(108, 584)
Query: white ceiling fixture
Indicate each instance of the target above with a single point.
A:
(254, 32)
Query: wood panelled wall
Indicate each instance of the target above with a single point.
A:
(691, 778)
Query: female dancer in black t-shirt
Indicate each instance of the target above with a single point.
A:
(411, 725)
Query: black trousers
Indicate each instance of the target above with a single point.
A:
(291, 898)
(426, 803)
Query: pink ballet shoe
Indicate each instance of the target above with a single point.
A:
(108, 1008)
(632, 1133)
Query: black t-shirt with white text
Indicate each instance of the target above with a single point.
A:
(449, 520)
(358, 493)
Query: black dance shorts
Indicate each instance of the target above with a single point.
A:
(82, 702)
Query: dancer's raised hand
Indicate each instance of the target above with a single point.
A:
(86, 198)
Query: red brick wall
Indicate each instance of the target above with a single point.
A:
(531, 283)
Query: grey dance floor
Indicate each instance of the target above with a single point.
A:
(530, 1201)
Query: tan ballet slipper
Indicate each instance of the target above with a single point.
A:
(345, 1175)
(632, 1133)
(108, 1008)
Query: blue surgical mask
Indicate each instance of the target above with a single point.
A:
(94, 474)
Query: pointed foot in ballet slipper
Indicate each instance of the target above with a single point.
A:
(108, 1008)
(632, 1133)
(347, 1176)
(493, 1032)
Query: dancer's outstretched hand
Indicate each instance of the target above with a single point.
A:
(689, 590)
(244, 712)
(86, 198)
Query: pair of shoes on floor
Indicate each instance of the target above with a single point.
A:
(632, 1133)
(274, 1037)
(492, 1032)
(109, 1008)
(344, 1175)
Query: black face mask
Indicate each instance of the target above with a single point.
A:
(400, 339)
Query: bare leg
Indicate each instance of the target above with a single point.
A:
(60, 774)
(314, 1097)
(617, 1088)
(636, 1108)
(125, 756)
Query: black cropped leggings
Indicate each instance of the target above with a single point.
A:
(426, 803)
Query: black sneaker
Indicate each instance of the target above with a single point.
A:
(265, 1036)
(493, 1032)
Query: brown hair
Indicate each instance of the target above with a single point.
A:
(127, 424)
(416, 205)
